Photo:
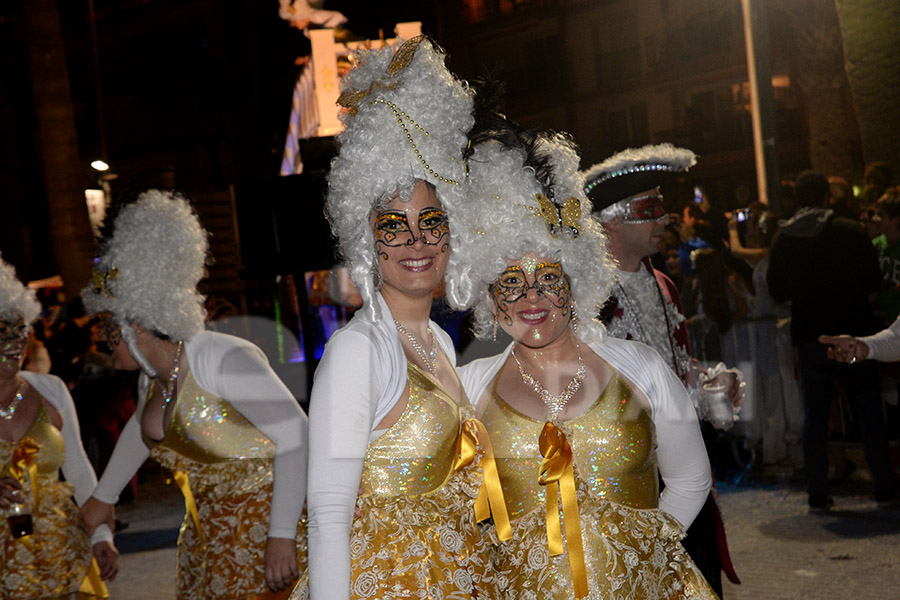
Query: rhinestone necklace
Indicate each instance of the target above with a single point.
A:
(7, 413)
(554, 404)
(428, 358)
(173, 377)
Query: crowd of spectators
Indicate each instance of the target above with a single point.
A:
(739, 311)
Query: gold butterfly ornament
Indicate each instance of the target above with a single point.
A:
(560, 217)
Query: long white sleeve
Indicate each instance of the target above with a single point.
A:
(885, 345)
(348, 382)
(76, 467)
(248, 382)
(681, 455)
(128, 455)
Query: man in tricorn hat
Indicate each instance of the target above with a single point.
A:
(645, 305)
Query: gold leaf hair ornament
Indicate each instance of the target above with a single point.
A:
(563, 217)
(100, 282)
(351, 99)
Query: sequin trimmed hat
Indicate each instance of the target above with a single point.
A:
(634, 170)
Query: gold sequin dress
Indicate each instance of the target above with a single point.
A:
(416, 535)
(632, 550)
(223, 466)
(55, 561)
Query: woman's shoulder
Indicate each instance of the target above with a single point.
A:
(49, 386)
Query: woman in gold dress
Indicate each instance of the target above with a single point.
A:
(582, 425)
(45, 551)
(210, 409)
(395, 466)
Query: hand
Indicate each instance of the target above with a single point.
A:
(10, 492)
(96, 512)
(281, 563)
(733, 385)
(107, 559)
(845, 348)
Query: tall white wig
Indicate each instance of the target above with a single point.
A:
(516, 207)
(16, 301)
(148, 270)
(406, 119)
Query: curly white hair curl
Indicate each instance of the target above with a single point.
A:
(407, 120)
(148, 270)
(16, 300)
(502, 222)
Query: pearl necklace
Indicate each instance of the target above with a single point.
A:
(7, 413)
(428, 358)
(173, 377)
(554, 404)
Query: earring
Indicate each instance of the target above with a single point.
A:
(496, 326)
(574, 316)
(377, 278)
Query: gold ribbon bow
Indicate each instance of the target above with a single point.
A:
(351, 99)
(490, 497)
(557, 473)
(560, 217)
(190, 505)
(24, 460)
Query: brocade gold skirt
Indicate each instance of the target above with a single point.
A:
(424, 546)
(630, 554)
(225, 558)
(55, 560)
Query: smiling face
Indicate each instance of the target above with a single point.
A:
(412, 242)
(532, 300)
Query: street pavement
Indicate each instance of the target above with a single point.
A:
(779, 550)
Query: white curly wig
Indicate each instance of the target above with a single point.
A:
(148, 270)
(503, 221)
(407, 119)
(16, 300)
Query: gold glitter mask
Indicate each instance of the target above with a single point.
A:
(110, 332)
(549, 280)
(392, 228)
(13, 331)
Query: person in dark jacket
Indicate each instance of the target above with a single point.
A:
(827, 268)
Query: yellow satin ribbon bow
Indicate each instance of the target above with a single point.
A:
(350, 99)
(557, 472)
(190, 505)
(24, 460)
(490, 497)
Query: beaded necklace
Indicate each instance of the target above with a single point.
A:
(554, 404)
(7, 413)
(428, 358)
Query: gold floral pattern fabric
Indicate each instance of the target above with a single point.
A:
(630, 554)
(415, 535)
(53, 561)
(425, 546)
(225, 559)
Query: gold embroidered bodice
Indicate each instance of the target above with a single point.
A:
(207, 429)
(613, 443)
(415, 455)
(50, 441)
